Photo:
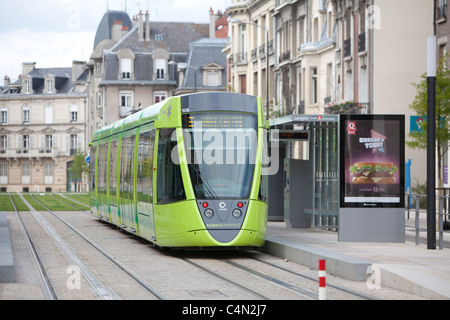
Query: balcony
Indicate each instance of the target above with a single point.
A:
(241, 57)
(285, 56)
(348, 107)
(25, 153)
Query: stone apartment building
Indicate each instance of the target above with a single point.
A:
(301, 50)
(43, 124)
(442, 29)
(327, 53)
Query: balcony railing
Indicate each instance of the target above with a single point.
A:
(347, 108)
(22, 153)
(285, 56)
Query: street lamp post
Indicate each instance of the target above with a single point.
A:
(267, 59)
(431, 142)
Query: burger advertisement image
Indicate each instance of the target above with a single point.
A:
(372, 160)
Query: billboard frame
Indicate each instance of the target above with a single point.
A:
(374, 201)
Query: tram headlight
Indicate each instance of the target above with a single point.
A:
(237, 213)
(208, 213)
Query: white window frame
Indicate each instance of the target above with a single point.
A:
(127, 97)
(73, 113)
(49, 86)
(4, 142)
(159, 96)
(48, 173)
(3, 173)
(160, 66)
(4, 115)
(27, 86)
(26, 172)
(212, 78)
(26, 114)
(49, 141)
(125, 67)
(48, 114)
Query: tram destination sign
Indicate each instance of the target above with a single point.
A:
(372, 161)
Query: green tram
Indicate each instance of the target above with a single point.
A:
(185, 172)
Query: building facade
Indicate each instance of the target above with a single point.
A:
(442, 29)
(334, 56)
(43, 124)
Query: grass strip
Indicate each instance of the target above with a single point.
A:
(5, 203)
(20, 205)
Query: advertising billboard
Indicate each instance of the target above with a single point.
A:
(372, 161)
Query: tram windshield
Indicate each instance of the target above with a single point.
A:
(221, 153)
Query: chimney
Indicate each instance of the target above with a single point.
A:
(212, 23)
(147, 26)
(27, 67)
(6, 81)
(116, 30)
(77, 69)
(141, 26)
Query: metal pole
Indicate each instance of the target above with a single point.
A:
(417, 225)
(431, 143)
(441, 223)
(267, 73)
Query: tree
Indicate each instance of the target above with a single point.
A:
(419, 106)
(79, 166)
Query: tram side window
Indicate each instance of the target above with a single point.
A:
(102, 167)
(113, 170)
(145, 166)
(92, 168)
(169, 181)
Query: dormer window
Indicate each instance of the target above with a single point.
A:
(125, 66)
(212, 75)
(49, 86)
(27, 87)
(160, 69)
(126, 59)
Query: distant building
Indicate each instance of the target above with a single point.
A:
(134, 67)
(43, 123)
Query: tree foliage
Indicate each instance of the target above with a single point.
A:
(419, 106)
(79, 166)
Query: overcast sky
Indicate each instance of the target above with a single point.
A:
(53, 33)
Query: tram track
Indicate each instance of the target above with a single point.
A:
(102, 291)
(350, 292)
(235, 269)
(48, 287)
(276, 278)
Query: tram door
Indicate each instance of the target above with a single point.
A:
(126, 182)
(325, 156)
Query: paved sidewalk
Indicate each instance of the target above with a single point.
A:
(405, 266)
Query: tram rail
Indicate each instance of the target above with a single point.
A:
(49, 290)
(103, 292)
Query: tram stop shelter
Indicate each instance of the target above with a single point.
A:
(313, 187)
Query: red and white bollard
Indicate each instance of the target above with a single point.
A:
(322, 280)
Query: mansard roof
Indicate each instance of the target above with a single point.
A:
(104, 28)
